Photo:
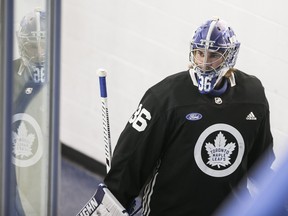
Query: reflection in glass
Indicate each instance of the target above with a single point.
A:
(30, 123)
(31, 43)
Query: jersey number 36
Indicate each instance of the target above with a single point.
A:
(139, 119)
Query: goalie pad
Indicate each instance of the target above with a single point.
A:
(103, 203)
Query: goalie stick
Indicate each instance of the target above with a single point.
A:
(103, 202)
(105, 117)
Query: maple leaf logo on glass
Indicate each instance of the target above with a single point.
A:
(219, 152)
(22, 142)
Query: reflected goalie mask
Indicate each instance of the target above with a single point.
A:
(31, 37)
(213, 51)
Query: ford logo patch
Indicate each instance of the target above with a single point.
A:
(193, 116)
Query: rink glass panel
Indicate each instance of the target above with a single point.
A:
(31, 115)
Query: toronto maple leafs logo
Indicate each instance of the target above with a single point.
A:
(219, 152)
(22, 142)
(27, 140)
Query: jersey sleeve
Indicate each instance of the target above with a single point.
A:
(138, 150)
(262, 154)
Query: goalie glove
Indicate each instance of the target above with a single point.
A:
(103, 203)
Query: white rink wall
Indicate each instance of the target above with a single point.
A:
(139, 42)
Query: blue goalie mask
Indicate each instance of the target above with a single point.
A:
(213, 51)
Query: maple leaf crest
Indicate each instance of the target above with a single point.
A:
(219, 153)
(22, 141)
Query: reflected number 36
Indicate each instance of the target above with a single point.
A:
(39, 75)
(139, 118)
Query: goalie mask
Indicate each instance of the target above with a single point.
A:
(213, 52)
(31, 37)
